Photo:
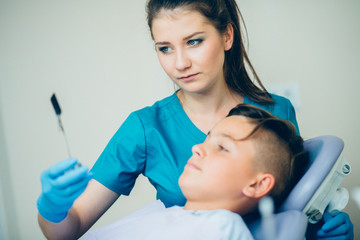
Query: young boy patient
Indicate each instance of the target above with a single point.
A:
(246, 156)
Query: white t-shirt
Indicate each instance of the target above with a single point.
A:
(155, 222)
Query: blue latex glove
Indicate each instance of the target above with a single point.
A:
(337, 226)
(61, 185)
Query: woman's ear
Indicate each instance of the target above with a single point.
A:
(260, 186)
(229, 37)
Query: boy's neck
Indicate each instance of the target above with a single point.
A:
(240, 206)
(251, 216)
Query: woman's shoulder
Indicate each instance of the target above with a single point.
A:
(160, 110)
(281, 107)
(280, 100)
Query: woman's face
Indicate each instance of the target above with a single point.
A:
(190, 49)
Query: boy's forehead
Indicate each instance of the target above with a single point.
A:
(237, 127)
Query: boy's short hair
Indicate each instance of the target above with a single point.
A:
(279, 150)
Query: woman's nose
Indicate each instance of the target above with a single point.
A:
(182, 61)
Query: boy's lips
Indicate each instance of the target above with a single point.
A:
(192, 166)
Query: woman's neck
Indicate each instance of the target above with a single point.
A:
(206, 109)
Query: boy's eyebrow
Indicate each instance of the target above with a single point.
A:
(184, 39)
(226, 136)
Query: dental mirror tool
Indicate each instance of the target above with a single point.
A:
(266, 208)
(356, 195)
(57, 109)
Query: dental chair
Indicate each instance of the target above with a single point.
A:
(317, 191)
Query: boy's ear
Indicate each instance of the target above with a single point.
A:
(260, 186)
(229, 37)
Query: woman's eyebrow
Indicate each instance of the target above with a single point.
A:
(184, 39)
(162, 43)
(192, 35)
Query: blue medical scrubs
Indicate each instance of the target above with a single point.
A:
(156, 141)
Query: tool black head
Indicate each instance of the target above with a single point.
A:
(55, 104)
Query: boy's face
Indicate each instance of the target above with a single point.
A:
(221, 166)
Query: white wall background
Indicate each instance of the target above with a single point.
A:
(98, 57)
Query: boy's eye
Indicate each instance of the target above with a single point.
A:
(194, 42)
(222, 148)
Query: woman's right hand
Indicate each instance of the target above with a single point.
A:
(61, 185)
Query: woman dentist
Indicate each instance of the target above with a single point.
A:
(200, 47)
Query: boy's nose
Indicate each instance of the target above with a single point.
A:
(198, 150)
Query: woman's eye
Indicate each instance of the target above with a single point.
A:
(164, 49)
(194, 42)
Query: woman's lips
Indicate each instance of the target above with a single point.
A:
(188, 77)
